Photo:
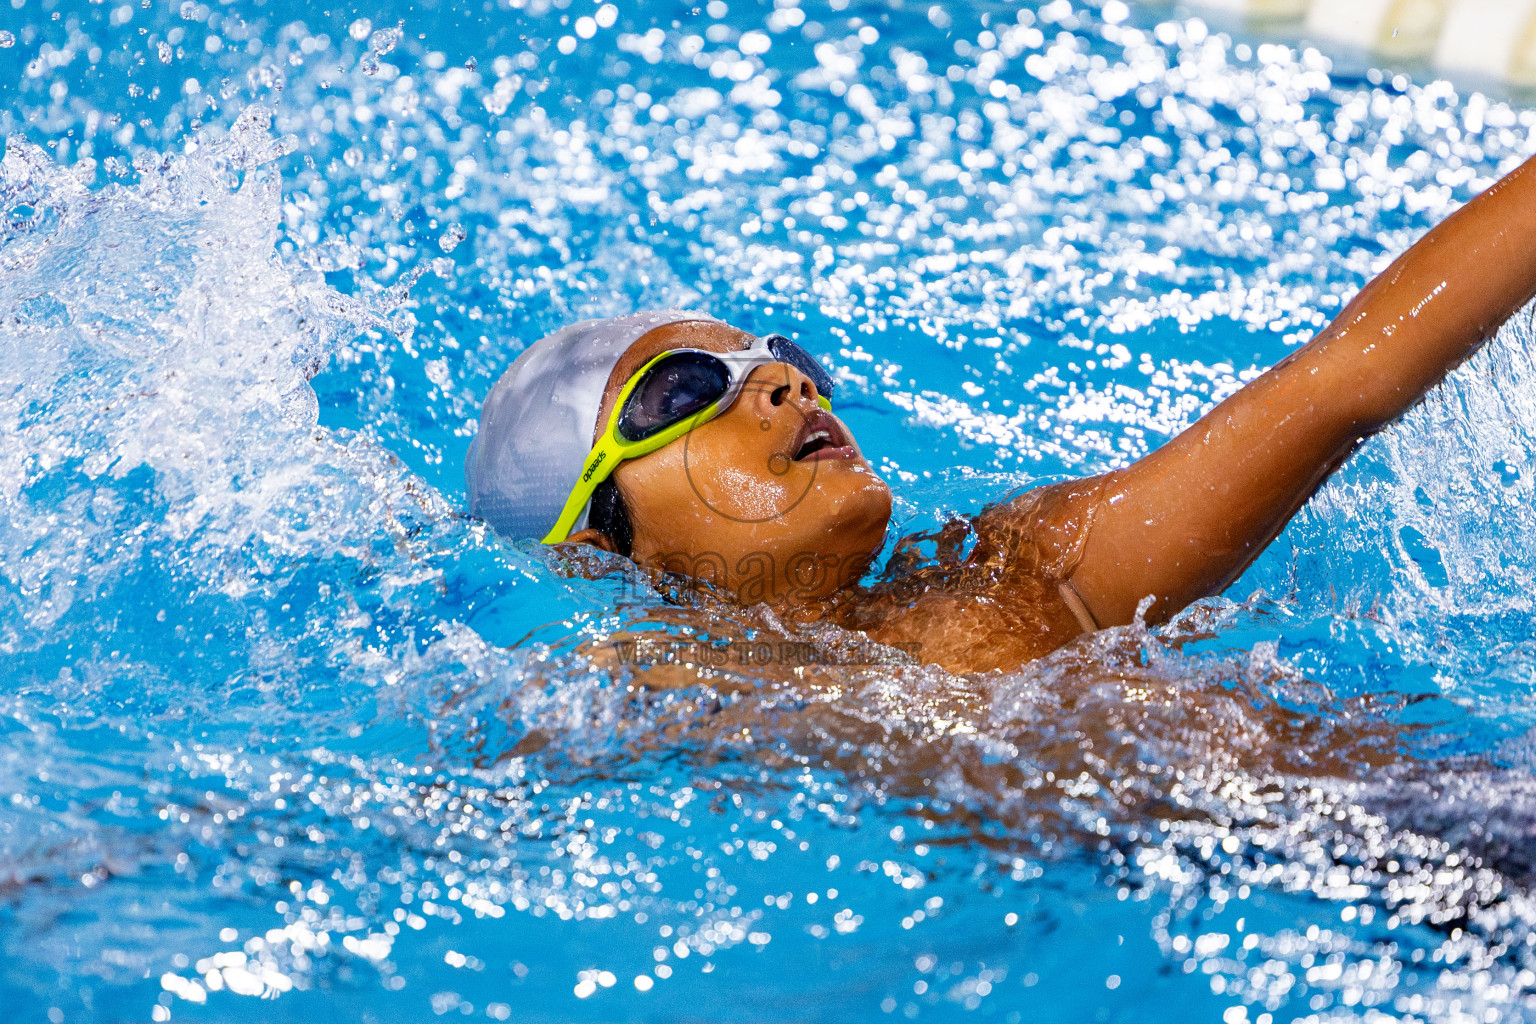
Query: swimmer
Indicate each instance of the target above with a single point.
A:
(698, 450)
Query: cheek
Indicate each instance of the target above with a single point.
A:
(656, 495)
(735, 478)
(691, 489)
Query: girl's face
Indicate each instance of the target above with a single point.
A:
(772, 499)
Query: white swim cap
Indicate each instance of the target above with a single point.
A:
(538, 422)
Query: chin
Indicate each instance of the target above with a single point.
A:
(855, 517)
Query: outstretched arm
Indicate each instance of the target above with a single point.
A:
(1186, 520)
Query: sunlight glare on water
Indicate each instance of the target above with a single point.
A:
(281, 721)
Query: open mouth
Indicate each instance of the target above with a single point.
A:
(822, 437)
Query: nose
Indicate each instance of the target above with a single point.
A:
(778, 384)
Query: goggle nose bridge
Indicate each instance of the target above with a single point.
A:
(761, 352)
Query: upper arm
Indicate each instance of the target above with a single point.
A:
(1184, 521)
(1187, 519)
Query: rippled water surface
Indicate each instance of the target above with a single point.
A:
(282, 733)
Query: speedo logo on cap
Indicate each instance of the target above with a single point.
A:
(587, 476)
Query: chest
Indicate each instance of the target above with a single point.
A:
(964, 626)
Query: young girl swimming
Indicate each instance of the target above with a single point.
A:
(700, 450)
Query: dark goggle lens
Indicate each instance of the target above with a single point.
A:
(786, 351)
(674, 389)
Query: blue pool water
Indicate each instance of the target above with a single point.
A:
(283, 734)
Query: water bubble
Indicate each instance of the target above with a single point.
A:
(385, 40)
(380, 43)
(451, 238)
(360, 28)
(165, 52)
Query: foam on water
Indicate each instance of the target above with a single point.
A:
(279, 720)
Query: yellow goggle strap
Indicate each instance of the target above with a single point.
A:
(611, 450)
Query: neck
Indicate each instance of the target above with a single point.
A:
(802, 589)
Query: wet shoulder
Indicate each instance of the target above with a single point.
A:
(984, 592)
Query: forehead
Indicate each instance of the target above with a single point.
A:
(703, 334)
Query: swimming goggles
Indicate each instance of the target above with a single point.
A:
(675, 392)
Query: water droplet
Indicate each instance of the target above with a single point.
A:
(384, 40)
(7, 39)
(165, 52)
(451, 238)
